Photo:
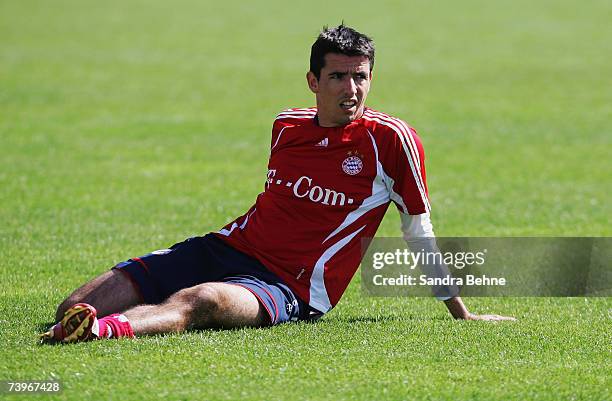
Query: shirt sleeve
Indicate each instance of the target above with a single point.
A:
(409, 192)
(419, 235)
(409, 187)
(416, 226)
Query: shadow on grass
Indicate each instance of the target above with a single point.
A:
(42, 327)
(384, 318)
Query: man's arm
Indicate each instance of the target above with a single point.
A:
(408, 190)
(419, 235)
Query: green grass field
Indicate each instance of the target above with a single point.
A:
(128, 126)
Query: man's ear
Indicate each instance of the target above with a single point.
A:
(313, 82)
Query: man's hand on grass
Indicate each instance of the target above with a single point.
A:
(493, 318)
(459, 311)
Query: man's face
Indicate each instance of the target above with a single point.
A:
(342, 89)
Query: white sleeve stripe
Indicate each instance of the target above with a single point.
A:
(297, 113)
(292, 109)
(414, 150)
(412, 158)
(397, 124)
(415, 171)
(404, 128)
(410, 134)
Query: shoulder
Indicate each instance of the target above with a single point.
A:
(387, 125)
(296, 114)
(393, 133)
(289, 118)
(293, 117)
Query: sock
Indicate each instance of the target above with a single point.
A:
(115, 326)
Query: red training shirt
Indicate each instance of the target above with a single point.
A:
(327, 188)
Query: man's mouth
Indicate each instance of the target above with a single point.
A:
(348, 104)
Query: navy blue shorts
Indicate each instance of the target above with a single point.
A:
(207, 259)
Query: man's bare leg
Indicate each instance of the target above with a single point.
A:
(205, 305)
(215, 304)
(110, 292)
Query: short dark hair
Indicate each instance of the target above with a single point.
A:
(342, 40)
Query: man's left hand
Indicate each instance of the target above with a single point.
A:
(459, 311)
(493, 318)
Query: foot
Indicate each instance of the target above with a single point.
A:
(78, 324)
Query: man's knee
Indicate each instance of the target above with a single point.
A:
(66, 303)
(218, 305)
(201, 304)
(78, 295)
(110, 292)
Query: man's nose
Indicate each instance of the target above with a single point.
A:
(350, 86)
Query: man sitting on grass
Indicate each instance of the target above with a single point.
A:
(333, 171)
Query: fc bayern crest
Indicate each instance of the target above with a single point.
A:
(352, 165)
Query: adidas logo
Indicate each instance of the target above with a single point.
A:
(323, 143)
